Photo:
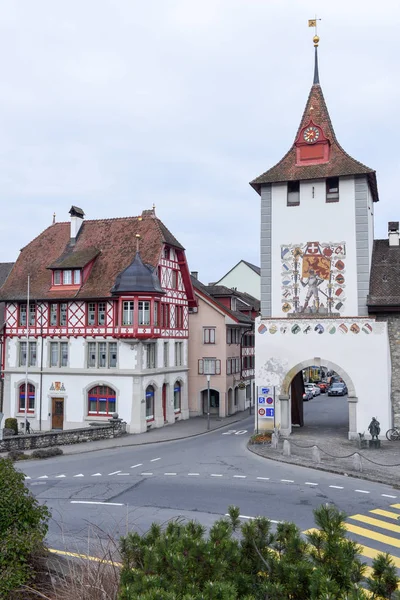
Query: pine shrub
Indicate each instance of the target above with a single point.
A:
(23, 526)
(11, 423)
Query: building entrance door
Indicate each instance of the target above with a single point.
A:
(57, 421)
(164, 401)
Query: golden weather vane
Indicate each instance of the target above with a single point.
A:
(314, 23)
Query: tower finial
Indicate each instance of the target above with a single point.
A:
(313, 23)
(137, 236)
(54, 218)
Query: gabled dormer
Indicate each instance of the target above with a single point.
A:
(72, 268)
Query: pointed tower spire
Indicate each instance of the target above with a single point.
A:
(316, 73)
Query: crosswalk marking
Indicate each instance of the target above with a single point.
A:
(395, 505)
(378, 537)
(372, 553)
(376, 523)
(385, 513)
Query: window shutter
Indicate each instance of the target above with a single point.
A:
(212, 336)
(201, 366)
(218, 367)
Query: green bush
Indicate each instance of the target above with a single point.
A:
(11, 423)
(17, 455)
(47, 452)
(251, 562)
(23, 526)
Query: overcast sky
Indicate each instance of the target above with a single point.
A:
(114, 105)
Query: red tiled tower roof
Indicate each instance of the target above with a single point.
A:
(339, 164)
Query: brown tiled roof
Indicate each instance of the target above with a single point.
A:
(237, 315)
(5, 269)
(340, 163)
(115, 241)
(384, 284)
(74, 259)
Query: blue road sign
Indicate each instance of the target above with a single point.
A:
(269, 412)
(270, 400)
(261, 400)
(265, 390)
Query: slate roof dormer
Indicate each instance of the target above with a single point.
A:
(332, 161)
(137, 278)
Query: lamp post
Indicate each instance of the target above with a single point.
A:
(208, 402)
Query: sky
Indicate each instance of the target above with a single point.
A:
(113, 105)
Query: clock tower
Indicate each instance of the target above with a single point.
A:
(317, 207)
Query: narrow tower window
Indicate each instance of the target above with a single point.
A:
(293, 193)
(332, 189)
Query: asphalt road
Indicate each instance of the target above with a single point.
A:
(97, 496)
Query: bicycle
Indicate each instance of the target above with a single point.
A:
(393, 435)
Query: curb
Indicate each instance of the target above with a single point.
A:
(327, 469)
(185, 437)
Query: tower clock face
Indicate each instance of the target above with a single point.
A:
(311, 134)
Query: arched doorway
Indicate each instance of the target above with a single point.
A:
(214, 401)
(308, 412)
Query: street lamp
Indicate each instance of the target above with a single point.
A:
(208, 402)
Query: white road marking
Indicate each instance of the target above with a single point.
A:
(115, 473)
(80, 475)
(215, 475)
(287, 480)
(169, 473)
(60, 475)
(263, 478)
(336, 487)
(38, 482)
(96, 475)
(362, 491)
(310, 483)
(247, 517)
(240, 476)
(388, 496)
(146, 473)
(122, 474)
(91, 502)
(43, 477)
(154, 459)
(139, 465)
(193, 474)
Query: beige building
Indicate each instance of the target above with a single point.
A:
(221, 347)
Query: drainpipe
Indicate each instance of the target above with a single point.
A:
(41, 369)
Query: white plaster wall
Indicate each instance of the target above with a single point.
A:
(244, 279)
(314, 220)
(365, 358)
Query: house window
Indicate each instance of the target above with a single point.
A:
(31, 398)
(67, 277)
(127, 313)
(58, 314)
(293, 193)
(58, 354)
(22, 314)
(92, 313)
(96, 313)
(165, 322)
(178, 317)
(53, 314)
(77, 277)
(177, 397)
(101, 401)
(57, 278)
(228, 366)
(166, 252)
(229, 336)
(156, 308)
(151, 356)
(144, 312)
(209, 335)
(32, 354)
(174, 279)
(233, 303)
(332, 189)
(166, 352)
(101, 313)
(209, 366)
(102, 355)
(150, 403)
(178, 354)
(63, 314)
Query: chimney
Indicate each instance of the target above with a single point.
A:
(77, 216)
(393, 228)
(194, 274)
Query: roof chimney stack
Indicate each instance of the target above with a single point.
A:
(393, 228)
(77, 216)
(194, 274)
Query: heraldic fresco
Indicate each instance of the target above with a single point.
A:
(313, 278)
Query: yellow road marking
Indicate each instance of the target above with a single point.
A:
(85, 556)
(372, 553)
(376, 523)
(379, 537)
(386, 513)
(395, 505)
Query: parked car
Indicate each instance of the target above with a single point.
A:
(314, 388)
(308, 395)
(337, 389)
(323, 387)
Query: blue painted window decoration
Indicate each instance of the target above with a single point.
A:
(31, 398)
(101, 401)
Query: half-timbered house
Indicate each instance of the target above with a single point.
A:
(106, 327)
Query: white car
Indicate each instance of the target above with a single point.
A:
(313, 388)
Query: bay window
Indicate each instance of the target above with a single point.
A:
(144, 312)
(127, 312)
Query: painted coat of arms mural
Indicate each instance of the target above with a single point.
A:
(313, 278)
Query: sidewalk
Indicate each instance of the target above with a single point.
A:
(178, 431)
(338, 455)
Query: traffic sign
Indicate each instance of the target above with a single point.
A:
(261, 400)
(270, 412)
(270, 400)
(265, 390)
(261, 412)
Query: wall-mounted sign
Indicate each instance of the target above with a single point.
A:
(57, 386)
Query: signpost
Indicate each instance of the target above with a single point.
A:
(266, 403)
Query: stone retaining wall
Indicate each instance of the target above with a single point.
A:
(62, 438)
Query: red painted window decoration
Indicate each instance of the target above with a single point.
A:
(178, 317)
(67, 277)
(165, 321)
(332, 189)
(209, 366)
(177, 397)
(150, 403)
(22, 315)
(209, 335)
(96, 313)
(58, 314)
(144, 312)
(174, 279)
(31, 399)
(156, 314)
(101, 401)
